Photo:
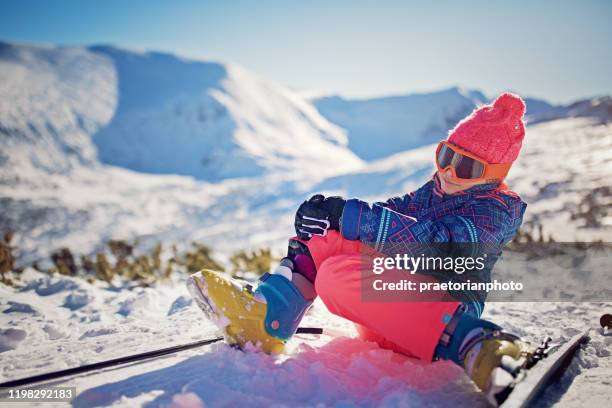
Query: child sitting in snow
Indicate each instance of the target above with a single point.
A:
(466, 201)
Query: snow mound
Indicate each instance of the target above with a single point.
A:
(181, 303)
(54, 332)
(10, 338)
(59, 334)
(343, 372)
(77, 299)
(47, 286)
(143, 304)
(16, 307)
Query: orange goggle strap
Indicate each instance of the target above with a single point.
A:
(491, 170)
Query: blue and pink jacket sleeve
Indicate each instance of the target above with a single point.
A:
(483, 221)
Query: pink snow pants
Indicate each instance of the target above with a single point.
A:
(411, 328)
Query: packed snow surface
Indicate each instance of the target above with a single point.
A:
(45, 329)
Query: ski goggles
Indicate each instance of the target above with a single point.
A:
(467, 166)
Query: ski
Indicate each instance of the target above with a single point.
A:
(100, 365)
(547, 365)
(69, 372)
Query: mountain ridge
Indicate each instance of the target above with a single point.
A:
(155, 113)
(381, 126)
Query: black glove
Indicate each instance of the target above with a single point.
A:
(317, 215)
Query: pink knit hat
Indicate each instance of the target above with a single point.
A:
(493, 132)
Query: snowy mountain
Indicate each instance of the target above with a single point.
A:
(379, 127)
(156, 113)
(212, 121)
(599, 108)
(52, 100)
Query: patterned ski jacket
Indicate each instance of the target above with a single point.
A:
(486, 214)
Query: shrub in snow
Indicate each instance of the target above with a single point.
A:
(258, 262)
(7, 260)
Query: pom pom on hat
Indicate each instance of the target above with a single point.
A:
(512, 103)
(493, 132)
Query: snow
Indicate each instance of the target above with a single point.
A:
(156, 113)
(599, 108)
(10, 338)
(382, 126)
(343, 372)
(338, 370)
(316, 370)
(563, 162)
(90, 151)
(378, 127)
(87, 207)
(108, 323)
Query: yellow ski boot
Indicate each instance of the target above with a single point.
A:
(265, 318)
(493, 360)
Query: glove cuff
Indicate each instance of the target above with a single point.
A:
(334, 207)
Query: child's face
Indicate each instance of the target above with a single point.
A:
(450, 185)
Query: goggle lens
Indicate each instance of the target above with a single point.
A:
(445, 156)
(468, 168)
(465, 167)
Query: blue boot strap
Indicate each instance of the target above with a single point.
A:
(461, 324)
(285, 306)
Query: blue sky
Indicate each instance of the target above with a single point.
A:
(558, 50)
